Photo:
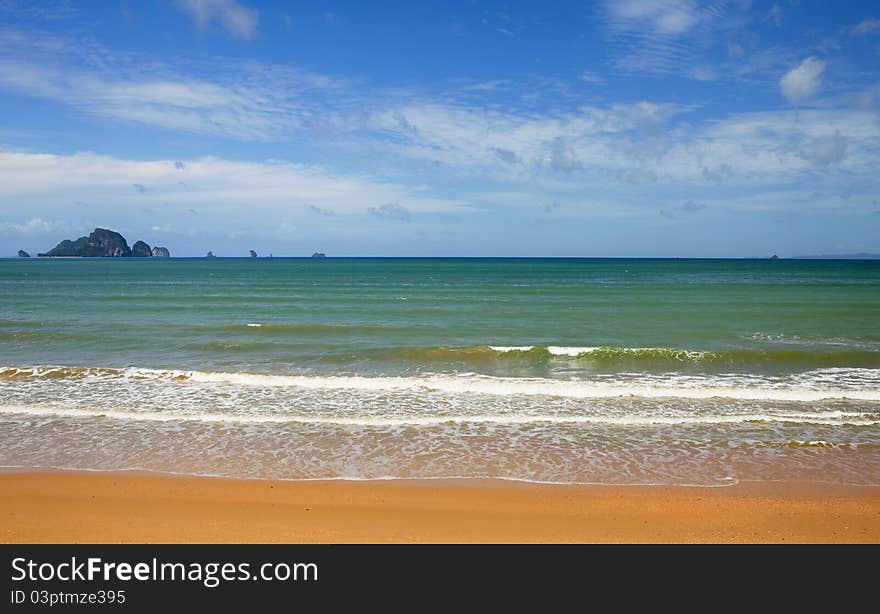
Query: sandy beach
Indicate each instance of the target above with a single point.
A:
(135, 508)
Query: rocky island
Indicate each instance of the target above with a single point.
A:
(141, 250)
(103, 243)
(23, 254)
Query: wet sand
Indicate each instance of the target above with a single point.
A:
(136, 508)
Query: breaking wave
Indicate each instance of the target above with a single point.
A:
(816, 385)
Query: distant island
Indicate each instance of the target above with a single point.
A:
(103, 243)
(319, 255)
(23, 254)
(253, 253)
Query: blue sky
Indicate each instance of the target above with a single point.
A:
(620, 128)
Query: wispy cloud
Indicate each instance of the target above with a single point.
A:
(866, 27)
(232, 190)
(701, 40)
(590, 77)
(655, 36)
(637, 143)
(487, 86)
(235, 18)
(244, 101)
(661, 16)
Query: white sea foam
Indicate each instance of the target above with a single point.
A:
(816, 385)
(556, 350)
(505, 386)
(511, 348)
(830, 418)
(570, 351)
(254, 325)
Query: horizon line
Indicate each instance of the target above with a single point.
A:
(851, 256)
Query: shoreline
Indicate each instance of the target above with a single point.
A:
(49, 506)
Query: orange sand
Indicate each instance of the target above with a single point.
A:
(117, 507)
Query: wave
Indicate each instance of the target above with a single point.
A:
(600, 353)
(829, 418)
(817, 385)
(609, 356)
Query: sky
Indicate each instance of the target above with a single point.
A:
(619, 128)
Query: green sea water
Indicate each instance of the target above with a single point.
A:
(592, 370)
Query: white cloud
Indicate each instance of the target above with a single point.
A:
(866, 27)
(589, 77)
(237, 19)
(33, 227)
(802, 82)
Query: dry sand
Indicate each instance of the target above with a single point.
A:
(135, 508)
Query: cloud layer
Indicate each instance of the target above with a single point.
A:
(700, 110)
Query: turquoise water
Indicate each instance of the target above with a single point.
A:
(620, 371)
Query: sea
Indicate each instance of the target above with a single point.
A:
(570, 371)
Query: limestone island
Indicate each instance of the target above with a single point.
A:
(103, 243)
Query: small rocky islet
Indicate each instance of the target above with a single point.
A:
(104, 243)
